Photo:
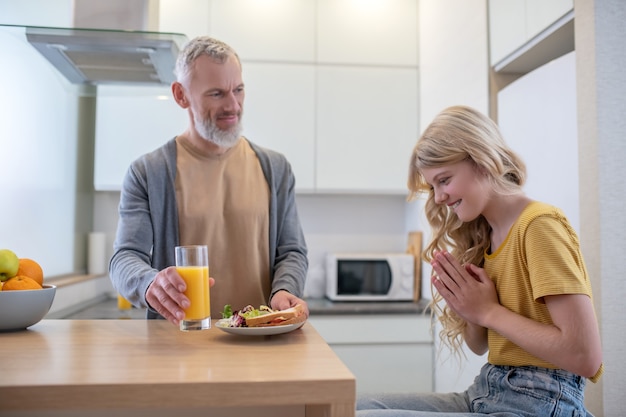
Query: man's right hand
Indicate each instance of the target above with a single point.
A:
(165, 295)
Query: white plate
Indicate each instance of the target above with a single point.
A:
(257, 331)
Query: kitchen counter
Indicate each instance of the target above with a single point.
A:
(132, 367)
(324, 306)
(107, 309)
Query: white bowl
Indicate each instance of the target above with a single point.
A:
(20, 309)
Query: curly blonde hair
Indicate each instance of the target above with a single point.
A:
(456, 134)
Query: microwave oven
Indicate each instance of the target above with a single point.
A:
(370, 276)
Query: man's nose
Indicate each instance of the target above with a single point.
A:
(231, 102)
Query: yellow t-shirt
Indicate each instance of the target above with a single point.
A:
(539, 257)
(223, 202)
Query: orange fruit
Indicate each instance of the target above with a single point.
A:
(31, 269)
(21, 282)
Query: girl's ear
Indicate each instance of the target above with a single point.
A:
(481, 170)
(178, 92)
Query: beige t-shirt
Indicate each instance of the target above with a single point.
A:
(223, 202)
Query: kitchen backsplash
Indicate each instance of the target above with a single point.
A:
(331, 223)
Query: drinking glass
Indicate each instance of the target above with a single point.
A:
(192, 264)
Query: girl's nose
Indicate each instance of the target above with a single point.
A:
(440, 197)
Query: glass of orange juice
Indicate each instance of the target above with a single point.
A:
(192, 264)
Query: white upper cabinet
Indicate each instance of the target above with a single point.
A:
(279, 113)
(512, 23)
(131, 121)
(189, 17)
(268, 30)
(367, 126)
(453, 56)
(372, 32)
(331, 84)
(541, 13)
(367, 94)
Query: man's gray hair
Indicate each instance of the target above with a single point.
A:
(201, 45)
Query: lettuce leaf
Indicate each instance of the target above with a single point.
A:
(228, 312)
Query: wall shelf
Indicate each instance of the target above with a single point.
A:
(555, 41)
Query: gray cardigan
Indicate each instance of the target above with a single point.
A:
(147, 231)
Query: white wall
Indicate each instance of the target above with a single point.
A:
(38, 143)
(346, 223)
(36, 12)
(537, 117)
(601, 86)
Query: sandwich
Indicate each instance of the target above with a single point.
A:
(263, 316)
(291, 315)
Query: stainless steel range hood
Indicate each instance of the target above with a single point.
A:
(101, 56)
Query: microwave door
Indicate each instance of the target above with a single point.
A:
(377, 278)
(363, 277)
(349, 278)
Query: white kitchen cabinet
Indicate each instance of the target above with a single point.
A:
(453, 56)
(333, 85)
(131, 121)
(269, 30)
(367, 32)
(367, 124)
(279, 113)
(512, 23)
(385, 352)
(175, 16)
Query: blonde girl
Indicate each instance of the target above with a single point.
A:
(508, 279)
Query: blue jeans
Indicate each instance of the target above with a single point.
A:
(502, 391)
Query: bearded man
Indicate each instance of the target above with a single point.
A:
(210, 186)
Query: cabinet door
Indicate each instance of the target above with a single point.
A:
(367, 32)
(392, 353)
(540, 14)
(279, 113)
(397, 368)
(366, 127)
(269, 30)
(332, 84)
(512, 23)
(131, 121)
(190, 17)
(507, 27)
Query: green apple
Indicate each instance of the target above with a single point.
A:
(9, 264)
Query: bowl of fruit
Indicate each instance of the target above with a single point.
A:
(24, 298)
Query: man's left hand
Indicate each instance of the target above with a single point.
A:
(283, 300)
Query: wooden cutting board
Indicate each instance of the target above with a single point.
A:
(415, 248)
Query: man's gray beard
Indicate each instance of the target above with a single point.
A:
(210, 132)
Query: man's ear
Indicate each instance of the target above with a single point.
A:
(178, 91)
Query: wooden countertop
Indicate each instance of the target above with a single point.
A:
(83, 365)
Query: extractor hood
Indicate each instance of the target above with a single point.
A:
(101, 56)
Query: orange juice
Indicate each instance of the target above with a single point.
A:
(123, 304)
(197, 280)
